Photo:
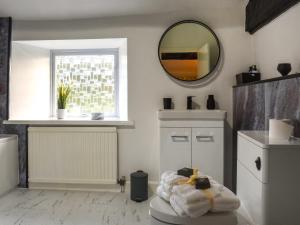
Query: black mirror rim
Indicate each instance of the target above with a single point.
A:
(201, 24)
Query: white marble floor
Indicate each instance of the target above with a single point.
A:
(33, 207)
(23, 207)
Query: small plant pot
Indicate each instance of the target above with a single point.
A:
(284, 68)
(61, 113)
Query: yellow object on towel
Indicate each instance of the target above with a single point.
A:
(209, 196)
(191, 181)
(195, 171)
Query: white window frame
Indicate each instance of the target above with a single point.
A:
(104, 51)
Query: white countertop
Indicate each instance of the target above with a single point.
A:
(73, 122)
(262, 139)
(195, 114)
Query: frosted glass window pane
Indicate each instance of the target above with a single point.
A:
(92, 80)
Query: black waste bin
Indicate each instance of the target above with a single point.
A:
(139, 186)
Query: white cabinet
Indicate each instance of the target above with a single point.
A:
(267, 184)
(174, 143)
(192, 142)
(207, 151)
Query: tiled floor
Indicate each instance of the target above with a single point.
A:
(24, 207)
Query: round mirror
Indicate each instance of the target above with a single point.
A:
(189, 50)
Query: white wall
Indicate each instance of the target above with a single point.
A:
(29, 68)
(147, 81)
(278, 42)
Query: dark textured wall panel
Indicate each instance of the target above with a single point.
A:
(283, 101)
(250, 110)
(255, 104)
(20, 130)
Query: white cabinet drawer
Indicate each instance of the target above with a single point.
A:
(207, 151)
(251, 193)
(175, 148)
(253, 158)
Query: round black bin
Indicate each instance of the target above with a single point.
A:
(139, 186)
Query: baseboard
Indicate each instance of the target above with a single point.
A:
(75, 187)
(152, 185)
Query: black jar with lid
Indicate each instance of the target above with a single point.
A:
(139, 186)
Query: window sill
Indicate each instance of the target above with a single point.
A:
(73, 122)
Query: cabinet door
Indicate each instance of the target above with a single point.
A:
(175, 149)
(207, 151)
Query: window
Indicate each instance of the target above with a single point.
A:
(93, 78)
(96, 69)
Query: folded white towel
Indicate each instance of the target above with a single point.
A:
(167, 187)
(186, 200)
(189, 194)
(172, 179)
(162, 194)
(168, 180)
(193, 210)
(176, 207)
(166, 174)
(226, 201)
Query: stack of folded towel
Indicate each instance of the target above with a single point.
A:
(168, 180)
(186, 200)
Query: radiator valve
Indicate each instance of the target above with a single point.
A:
(122, 182)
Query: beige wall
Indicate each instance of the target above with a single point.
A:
(147, 81)
(278, 42)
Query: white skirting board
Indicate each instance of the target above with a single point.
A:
(72, 157)
(152, 185)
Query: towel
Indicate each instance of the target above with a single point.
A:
(168, 180)
(172, 179)
(193, 210)
(176, 207)
(162, 194)
(187, 201)
(190, 194)
(166, 187)
(195, 202)
(167, 173)
(226, 201)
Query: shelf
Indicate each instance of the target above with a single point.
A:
(269, 80)
(72, 122)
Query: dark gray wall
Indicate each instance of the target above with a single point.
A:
(20, 130)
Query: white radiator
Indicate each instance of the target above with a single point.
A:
(72, 155)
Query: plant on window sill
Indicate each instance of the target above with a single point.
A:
(64, 92)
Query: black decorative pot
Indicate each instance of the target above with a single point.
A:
(210, 104)
(284, 68)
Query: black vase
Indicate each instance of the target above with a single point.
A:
(210, 104)
(284, 68)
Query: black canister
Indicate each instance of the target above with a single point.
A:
(139, 186)
(167, 103)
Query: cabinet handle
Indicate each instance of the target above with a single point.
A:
(258, 163)
(205, 138)
(180, 138)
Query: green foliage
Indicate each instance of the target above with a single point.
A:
(63, 92)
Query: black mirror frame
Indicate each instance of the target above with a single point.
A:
(201, 24)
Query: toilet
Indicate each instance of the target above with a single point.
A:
(162, 213)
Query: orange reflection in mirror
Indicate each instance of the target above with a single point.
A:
(182, 69)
